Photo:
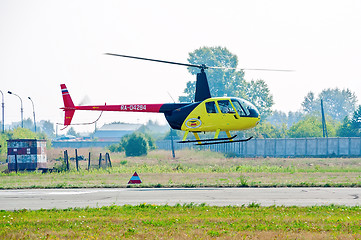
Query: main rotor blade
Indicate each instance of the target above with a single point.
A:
(253, 69)
(161, 61)
(198, 66)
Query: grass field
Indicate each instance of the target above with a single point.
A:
(193, 168)
(189, 169)
(184, 222)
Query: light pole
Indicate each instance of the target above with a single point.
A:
(22, 110)
(33, 112)
(3, 124)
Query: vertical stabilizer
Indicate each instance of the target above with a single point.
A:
(202, 87)
(68, 102)
(69, 106)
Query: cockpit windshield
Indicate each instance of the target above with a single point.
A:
(245, 108)
(239, 108)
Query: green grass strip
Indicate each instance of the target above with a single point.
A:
(187, 221)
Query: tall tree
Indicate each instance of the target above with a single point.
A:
(294, 117)
(72, 132)
(258, 93)
(356, 120)
(267, 130)
(351, 127)
(337, 103)
(278, 118)
(47, 127)
(227, 82)
(28, 123)
(311, 126)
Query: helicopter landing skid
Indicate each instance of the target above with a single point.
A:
(212, 141)
(218, 141)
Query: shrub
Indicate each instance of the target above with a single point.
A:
(116, 147)
(136, 145)
(60, 166)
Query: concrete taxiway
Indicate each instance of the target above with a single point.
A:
(69, 198)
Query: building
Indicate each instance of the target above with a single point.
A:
(115, 131)
(26, 154)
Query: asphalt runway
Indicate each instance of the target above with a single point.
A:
(97, 197)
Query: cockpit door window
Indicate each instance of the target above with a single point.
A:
(211, 107)
(225, 106)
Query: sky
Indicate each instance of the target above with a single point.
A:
(44, 43)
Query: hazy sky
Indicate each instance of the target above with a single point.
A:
(46, 43)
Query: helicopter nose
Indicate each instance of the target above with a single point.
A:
(258, 120)
(257, 116)
(254, 113)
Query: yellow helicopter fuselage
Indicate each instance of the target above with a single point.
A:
(221, 114)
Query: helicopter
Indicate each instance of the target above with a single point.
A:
(204, 114)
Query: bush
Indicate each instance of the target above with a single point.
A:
(136, 145)
(116, 147)
(60, 167)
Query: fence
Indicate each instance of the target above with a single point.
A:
(282, 147)
(268, 147)
(81, 144)
(102, 161)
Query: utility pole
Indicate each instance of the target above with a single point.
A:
(324, 127)
(33, 113)
(172, 142)
(21, 109)
(2, 105)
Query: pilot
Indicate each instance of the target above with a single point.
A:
(224, 108)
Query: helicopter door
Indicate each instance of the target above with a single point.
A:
(229, 114)
(211, 107)
(213, 117)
